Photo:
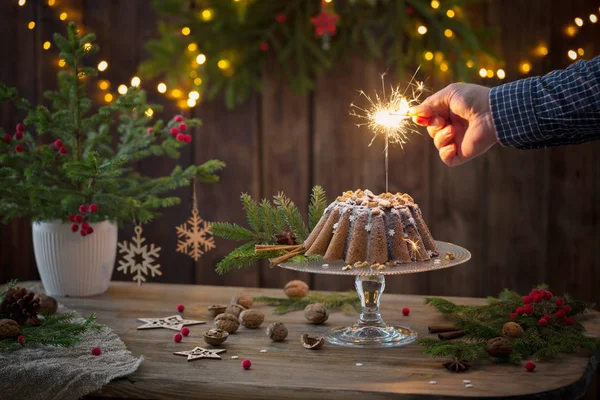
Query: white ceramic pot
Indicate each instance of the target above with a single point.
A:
(71, 264)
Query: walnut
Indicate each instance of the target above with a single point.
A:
(296, 289)
(243, 300)
(312, 342)
(251, 319)
(47, 304)
(227, 322)
(512, 330)
(277, 331)
(449, 255)
(9, 328)
(235, 309)
(216, 309)
(316, 313)
(499, 347)
(215, 336)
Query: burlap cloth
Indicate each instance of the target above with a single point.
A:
(48, 372)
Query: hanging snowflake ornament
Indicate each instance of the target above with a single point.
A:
(195, 237)
(138, 259)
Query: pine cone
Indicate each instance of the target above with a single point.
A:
(456, 365)
(21, 306)
(286, 237)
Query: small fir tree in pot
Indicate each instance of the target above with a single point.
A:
(82, 183)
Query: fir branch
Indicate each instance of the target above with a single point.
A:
(9, 285)
(253, 213)
(243, 256)
(316, 208)
(231, 231)
(292, 216)
(460, 349)
(329, 300)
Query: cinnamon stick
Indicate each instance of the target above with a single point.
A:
(271, 247)
(451, 335)
(287, 256)
(442, 328)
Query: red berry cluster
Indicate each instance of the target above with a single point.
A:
(178, 128)
(60, 149)
(19, 134)
(544, 304)
(82, 218)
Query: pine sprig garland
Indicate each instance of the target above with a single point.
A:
(266, 220)
(346, 301)
(82, 165)
(485, 322)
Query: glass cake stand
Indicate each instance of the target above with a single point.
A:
(370, 330)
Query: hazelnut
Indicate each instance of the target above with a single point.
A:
(216, 309)
(512, 330)
(251, 319)
(296, 289)
(243, 300)
(316, 313)
(9, 328)
(277, 331)
(234, 309)
(499, 347)
(47, 304)
(215, 336)
(312, 342)
(228, 322)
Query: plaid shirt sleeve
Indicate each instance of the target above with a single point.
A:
(560, 108)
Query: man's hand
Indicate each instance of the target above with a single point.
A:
(459, 120)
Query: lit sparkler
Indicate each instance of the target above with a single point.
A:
(389, 115)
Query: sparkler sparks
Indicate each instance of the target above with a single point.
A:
(388, 115)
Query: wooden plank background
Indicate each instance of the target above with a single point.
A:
(527, 216)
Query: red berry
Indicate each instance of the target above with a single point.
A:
(549, 295)
(21, 339)
(71, 218)
(570, 321)
(537, 298)
(150, 131)
(180, 137)
(63, 150)
(6, 138)
(178, 118)
(246, 364)
(90, 230)
(547, 317)
(560, 302)
(528, 309)
(93, 207)
(410, 10)
(520, 311)
(543, 322)
(534, 292)
(405, 311)
(20, 127)
(188, 138)
(177, 337)
(19, 148)
(513, 316)
(180, 308)
(58, 143)
(19, 135)
(560, 314)
(182, 127)
(83, 208)
(96, 351)
(85, 226)
(529, 366)
(263, 46)
(281, 18)
(74, 228)
(567, 309)
(185, 331)
(527, 299)
(83, 232)
(173, 131)
(78, 218)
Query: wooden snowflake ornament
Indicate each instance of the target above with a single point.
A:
(138, 259)
(195, 237)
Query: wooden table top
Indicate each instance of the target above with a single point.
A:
(287, 370)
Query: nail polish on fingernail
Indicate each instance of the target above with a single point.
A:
(423, 120)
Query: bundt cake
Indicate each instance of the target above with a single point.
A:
(362, 227)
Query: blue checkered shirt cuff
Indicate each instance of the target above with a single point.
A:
(560, 108)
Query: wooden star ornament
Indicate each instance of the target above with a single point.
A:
(199, 353)
(174, 322)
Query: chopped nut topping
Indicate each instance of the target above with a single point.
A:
(347, 267)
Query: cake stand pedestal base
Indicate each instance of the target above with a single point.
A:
(370, 330)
